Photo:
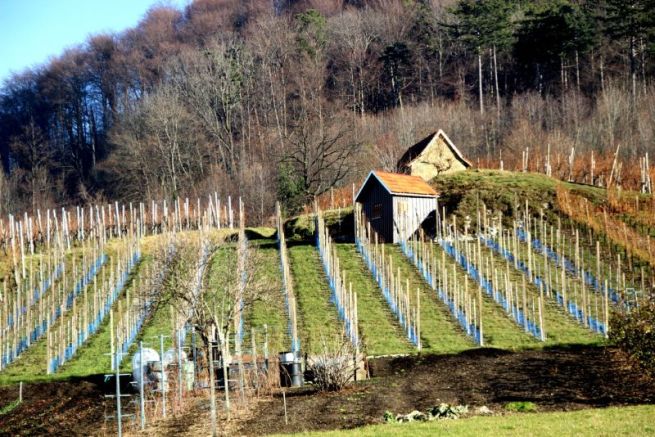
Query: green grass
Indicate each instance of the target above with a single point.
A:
(521, 407)
(9, 407)
(507, 192)
(260, 233)
(504, 191)
(590, 266)
(381, 332)
(629, 421)
(559, 326)
(608, 253)
(269, 311)
(91, 358)
(30, 366)
(440, 333)
(317, 316)
(160, 322)
(498, 329)
(301, 227)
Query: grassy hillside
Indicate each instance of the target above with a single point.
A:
(271, 311)
(380, 331)
(440, 333)
(317, 316)
(559, 326)
(504, 191)
(89, 359)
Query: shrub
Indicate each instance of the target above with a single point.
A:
(389, 417)
(447, 411)
(9, 407)
(521, 407)
(633, 330)
(334, 368)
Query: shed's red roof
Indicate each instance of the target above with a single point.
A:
(405, 184)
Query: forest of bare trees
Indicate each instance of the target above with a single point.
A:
(286, 99)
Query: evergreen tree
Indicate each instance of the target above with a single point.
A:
(631, 24)
(550, 34)
(484, 25)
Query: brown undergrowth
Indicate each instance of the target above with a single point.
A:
(598, 218)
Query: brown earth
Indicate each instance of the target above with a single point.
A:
(71, 407)
(555, 379)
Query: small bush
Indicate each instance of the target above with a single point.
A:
(334, 368)
(447, 411)
(633, 331)
(521, 407)
(389, 417)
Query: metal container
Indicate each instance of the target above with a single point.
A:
(291, 369)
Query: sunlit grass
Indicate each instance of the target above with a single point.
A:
(440, 333)
(381, 332)
(317, 316)
(626, 421)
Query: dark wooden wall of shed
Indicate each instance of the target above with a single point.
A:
(374, 193)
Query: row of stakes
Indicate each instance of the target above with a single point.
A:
(342, 294)
(30, 308)
(404, 305)
(438, 267)
(583, 294)
(53, 234)
(287, 283)
(47, 280)
(93, 303)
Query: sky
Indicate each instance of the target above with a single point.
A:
(32, 31)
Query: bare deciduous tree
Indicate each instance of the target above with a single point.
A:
(159, 148)
(319, 157)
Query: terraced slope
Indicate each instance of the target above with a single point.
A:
(440, 333)
(90, 358)
(381, 333)
(31, 364)
(317, 316)
(159, 323)
(559, 326)
(497, 328)
(270, 311)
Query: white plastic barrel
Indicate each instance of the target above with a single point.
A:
(148, 356)
(170, 357)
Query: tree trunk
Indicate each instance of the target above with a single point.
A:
(440, 58)
(642, 49)
(226, 385)
(633, 68)
(480, 83)
(496, 81)
(577, 70)
(212, 390)
(602, 74)
(361, 93)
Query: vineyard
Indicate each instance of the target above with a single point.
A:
(515, 263)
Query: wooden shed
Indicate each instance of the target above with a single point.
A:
(432, 156)
(396, 205)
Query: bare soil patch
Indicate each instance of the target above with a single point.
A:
(557, 379)
(71, 407)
